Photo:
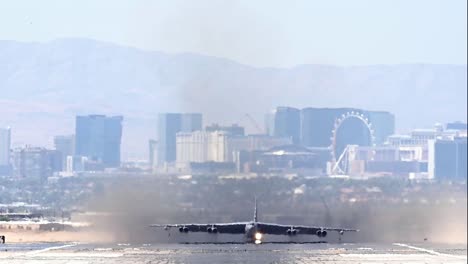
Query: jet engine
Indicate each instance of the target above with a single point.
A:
(183, 229)
(291, 231)
(321, 233)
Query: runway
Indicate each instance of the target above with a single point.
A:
(74, 253)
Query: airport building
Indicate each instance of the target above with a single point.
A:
(5, 146)
(169, 124)
(98, 137)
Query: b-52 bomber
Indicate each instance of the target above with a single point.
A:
(254, 230)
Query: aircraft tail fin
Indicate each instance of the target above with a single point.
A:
(255, 212)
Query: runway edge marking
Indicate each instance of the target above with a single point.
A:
(49, 248)
(429, 251)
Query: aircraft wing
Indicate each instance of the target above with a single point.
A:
(276, 229)
(226, 228)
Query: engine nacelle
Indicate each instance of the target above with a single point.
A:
(321, 233)
(212, 230)
(291, 232)
(183, 229)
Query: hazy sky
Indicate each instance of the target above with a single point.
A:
(256, 32)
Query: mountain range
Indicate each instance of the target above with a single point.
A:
(44, 85)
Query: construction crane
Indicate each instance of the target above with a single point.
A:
(252, 120)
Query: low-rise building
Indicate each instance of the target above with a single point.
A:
(36, 162)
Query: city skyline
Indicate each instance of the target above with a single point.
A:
(353, 144)
(200, 126)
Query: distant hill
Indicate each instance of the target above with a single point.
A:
(44, 85)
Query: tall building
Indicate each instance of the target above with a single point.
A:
(318, 126)
(153, 152)
(383, 124)
(447, 159)
(98, 137)
(169, 124)
(201, 146)
(287, 123)
(270, 123)
(66, 146)
(5, 144)
(190, 122)
(457, 126)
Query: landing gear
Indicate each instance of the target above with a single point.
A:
(340, 235)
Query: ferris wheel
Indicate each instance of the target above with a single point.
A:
(340, 160)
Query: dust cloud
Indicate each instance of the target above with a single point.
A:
(125, 210)
(128, 207)
(443, 223)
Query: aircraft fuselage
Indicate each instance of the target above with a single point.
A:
(252, 234)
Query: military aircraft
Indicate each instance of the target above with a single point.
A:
(254, 230)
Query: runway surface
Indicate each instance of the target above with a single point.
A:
(73, 253)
